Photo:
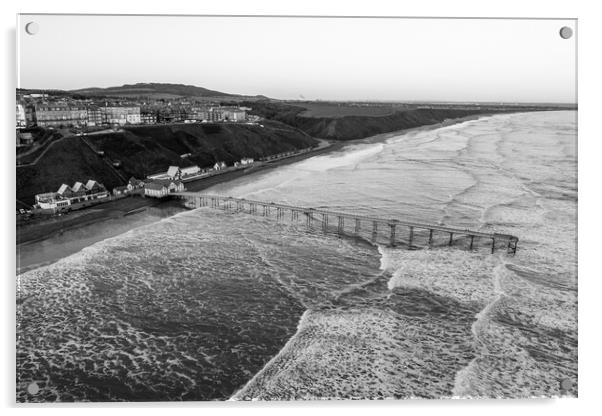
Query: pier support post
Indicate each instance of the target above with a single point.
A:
(431, 237)
(374, 230)
(325, 222)
(471, 241)
(512, 243)
(492, 245)
(308, 214)
(357, 226)
(451, 238)
(392, 238)
(411, 237)
(341, 226)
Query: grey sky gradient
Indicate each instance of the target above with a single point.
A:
(286, 58)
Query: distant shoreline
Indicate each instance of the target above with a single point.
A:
(131, 208)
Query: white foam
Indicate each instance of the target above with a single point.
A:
(347, 157)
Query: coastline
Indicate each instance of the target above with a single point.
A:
(82, 228)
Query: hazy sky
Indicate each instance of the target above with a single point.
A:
(312, 58)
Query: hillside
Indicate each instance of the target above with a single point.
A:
(149, 149)
(68, 161)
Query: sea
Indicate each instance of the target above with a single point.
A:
(210, 304)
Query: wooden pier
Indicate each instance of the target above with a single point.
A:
(392, 232)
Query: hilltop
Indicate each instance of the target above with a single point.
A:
(149, 90)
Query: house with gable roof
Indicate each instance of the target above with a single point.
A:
(161, 188)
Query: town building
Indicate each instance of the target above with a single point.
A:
(246, 161)
(189, 171)
(215, 114)
(21, 120)
(160, 188)
(199, 114)
(233, 114)
(176, 172)
(24, 139)
(120, 190)
(219, 166)
(120, 115)
(59, 114)
(148, 118)
(95, 116)
(134, 183)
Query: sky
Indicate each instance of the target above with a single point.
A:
(375, 59)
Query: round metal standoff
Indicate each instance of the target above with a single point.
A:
(565, 385)
(566, 32)
(32, 28)
(33, 388)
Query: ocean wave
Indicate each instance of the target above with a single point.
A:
(349, 156)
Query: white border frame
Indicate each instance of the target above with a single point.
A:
(589, 73)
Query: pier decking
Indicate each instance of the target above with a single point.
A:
(393, 232)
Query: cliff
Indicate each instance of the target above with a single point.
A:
(351, 127)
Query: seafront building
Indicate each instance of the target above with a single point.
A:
(178, 173)
(160, 188)
(67, 196)
(219, 166)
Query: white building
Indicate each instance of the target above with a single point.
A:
(162, 188)
(133, 118)
(21, 121)
(120, 115)
(67, 195)
(246, 161)
(219, 166)
(174, 172)
(190, 171)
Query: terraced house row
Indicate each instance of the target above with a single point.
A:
(61, 114)
(78, 114)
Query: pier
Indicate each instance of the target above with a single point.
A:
(392, 232)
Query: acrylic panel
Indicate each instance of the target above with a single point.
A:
(295, 208)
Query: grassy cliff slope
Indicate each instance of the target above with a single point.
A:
(351, 127)
(150, 149)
